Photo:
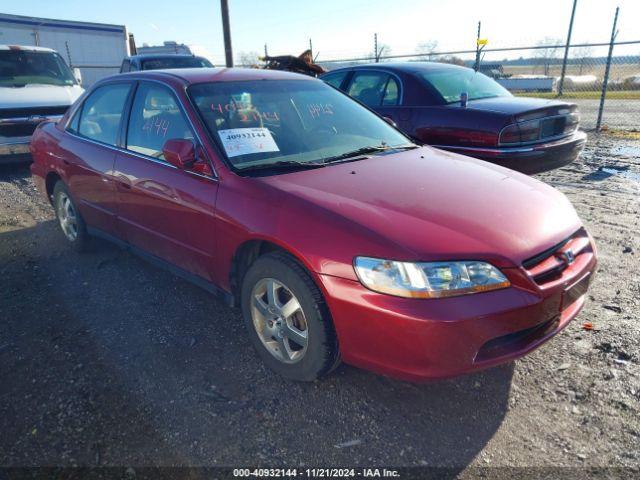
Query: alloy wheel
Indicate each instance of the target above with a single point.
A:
(67, 217)
(279, 320)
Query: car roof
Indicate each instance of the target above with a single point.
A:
(192, 76)
(152, 56)
(31, 48)
(406, 67)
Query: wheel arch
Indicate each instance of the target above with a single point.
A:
(50, 181)
(250, 250)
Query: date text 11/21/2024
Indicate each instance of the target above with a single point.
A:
(316, 472)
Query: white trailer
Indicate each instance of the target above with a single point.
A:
(529, 83)
(96, 48)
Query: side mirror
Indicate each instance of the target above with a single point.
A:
(179, 152)
(464, 97)
(390, 122)
(77, 74)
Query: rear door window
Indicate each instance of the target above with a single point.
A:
(368, 87)
(102, 112)
(155, 118)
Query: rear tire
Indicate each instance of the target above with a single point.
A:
(69, 219)
(287, 319)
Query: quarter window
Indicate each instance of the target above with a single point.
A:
(155, 118)
(391, 92)
(102, 112)
(368, 87)
(75, 121)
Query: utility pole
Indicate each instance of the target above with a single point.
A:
(375, 46)
(605, 82)
(311, 48)
(476, 66)
(226, 30)
(566, 49)
(266, 53)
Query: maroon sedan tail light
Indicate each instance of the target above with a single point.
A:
(519, 133)
(572, 123)
(545, 128)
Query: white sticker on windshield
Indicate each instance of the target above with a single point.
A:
(243, 141)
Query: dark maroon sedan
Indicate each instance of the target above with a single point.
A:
(458, 109)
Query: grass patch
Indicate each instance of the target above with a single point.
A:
(589, 95)
(626, 134)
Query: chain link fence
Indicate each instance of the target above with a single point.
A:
(537, 72)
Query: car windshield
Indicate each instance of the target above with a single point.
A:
(175, 62)
(22, 67)
(451, 83)
(290, 122)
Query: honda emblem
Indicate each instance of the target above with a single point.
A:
(568, 256)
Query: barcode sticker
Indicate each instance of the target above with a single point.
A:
(244, 141)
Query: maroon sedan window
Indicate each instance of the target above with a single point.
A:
(368, 87)
(302, 121)
(450, 83)
(391, 92)
(155, 118)
(101, 113)
(335, 79)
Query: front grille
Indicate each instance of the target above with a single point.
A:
(27, 112)
(17, 130)
(548, 265)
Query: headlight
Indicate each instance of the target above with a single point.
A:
(429, 279)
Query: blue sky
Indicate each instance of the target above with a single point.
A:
(345, 28)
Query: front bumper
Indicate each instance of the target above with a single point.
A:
(529, 159)
(15, 136)
(418, 340)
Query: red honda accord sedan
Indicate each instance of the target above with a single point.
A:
(338, 237)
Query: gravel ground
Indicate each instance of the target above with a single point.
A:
(105, 360)
(622, 114)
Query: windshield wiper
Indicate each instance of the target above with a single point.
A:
(282, 165)
(365, 150)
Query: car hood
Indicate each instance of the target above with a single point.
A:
(434, 205)
(37, 95)
(515, 105)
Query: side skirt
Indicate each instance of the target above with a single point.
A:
(210, 287)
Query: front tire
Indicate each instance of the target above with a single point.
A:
(69, 219)
(287, 318)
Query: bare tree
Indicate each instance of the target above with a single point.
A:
(248, 59)
(582, 54)
(452, 59)
(545, 56)
(427, 49)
